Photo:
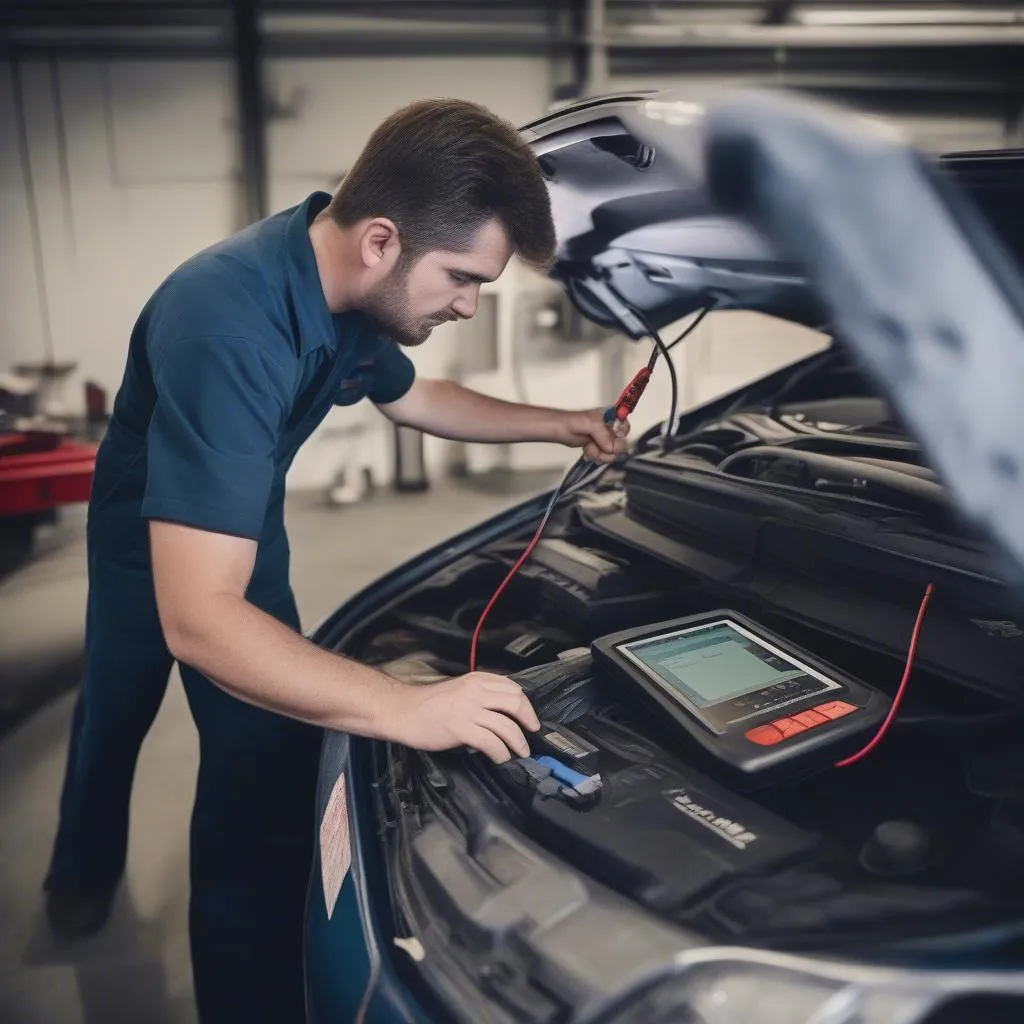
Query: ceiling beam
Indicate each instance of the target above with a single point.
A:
(503, 26)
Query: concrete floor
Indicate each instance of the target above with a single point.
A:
(138, 968)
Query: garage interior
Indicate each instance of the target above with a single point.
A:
(134, 134)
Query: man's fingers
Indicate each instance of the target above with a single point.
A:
(516, 705)
(604, 437)
(509, 687)
(526, 716)
(487, 742)
(595, 454)
(601, 442)
(507, 731)
(499, 684)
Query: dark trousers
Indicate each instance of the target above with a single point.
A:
(252, 831)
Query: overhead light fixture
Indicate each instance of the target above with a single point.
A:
(673, 112)
(890, 17)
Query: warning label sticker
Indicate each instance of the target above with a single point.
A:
(335, 849)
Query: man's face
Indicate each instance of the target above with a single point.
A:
(441, 286)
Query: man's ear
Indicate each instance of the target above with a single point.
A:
(379, 244)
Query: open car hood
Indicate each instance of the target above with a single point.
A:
(633, 211)
(634, 208)
(770, 202)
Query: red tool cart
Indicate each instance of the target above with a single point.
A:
(39, 472)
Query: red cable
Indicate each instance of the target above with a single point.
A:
(884, 728)
(624, 405)
(504, 583)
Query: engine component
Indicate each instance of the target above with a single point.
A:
(508, 647)
(591, 591)
(417, 668)
(562, 690)
(669, 836)
(685, 846)
(561, 742)
(897, 848)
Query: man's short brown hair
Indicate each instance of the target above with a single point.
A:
(440, 169)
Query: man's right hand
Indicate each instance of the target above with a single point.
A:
(478, 710)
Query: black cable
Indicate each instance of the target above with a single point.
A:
(690, 328)
(814, 364)
(662, 349)
(579, 472)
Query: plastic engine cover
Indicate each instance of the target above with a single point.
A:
(669, 836)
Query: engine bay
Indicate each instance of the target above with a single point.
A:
(923, 839)
(915, 849)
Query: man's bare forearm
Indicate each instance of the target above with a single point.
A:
(447, 409)
(201, 580)
(261, 661)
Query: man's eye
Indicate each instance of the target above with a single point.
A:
(457, 278)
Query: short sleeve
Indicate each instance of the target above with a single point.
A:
(393, 374)
(212, 441)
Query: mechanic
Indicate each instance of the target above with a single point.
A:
(234, 361)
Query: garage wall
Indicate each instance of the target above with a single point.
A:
(326, 109)
(150, 151)
(22, 336)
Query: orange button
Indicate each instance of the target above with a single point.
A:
(810, 718)
(789, 726)
(764, 735)
(835, 709)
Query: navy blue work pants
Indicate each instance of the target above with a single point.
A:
(251, 841)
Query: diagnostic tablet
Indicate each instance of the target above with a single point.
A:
(750, 699)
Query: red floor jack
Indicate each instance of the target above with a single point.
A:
(39, 473)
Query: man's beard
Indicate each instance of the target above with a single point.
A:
(387, 306)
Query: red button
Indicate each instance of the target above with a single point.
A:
(835, 709)
(764, 735)
(789, 727)
(810, 718)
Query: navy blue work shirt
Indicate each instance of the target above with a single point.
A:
(234, 361)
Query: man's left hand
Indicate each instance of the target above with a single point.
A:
(601, 442)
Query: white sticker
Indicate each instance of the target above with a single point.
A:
(413, 947)
(335, 849)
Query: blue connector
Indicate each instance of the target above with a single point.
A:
(582, 784)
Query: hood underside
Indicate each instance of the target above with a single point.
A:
(637, 211)
(770, 202)
(631, 218)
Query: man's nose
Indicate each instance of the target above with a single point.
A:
(466, 302)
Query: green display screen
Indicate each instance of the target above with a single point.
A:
(714, 663)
